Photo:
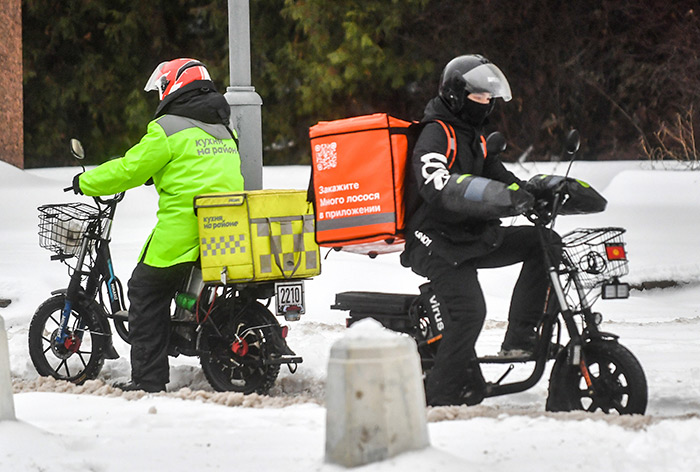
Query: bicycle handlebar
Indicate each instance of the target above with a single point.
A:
(104, 201)
(545, 210)
(115, 199)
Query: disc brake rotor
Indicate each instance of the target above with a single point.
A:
(240, 347)
(65, 349)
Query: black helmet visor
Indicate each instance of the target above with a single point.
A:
(487, 78)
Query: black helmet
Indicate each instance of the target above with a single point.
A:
(471, 74)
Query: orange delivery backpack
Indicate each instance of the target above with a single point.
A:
(358, 181)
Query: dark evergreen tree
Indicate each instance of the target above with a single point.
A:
(626, 73)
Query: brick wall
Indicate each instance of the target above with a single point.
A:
(11, 114)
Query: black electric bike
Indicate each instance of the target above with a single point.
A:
(239, 342)
(592, 370)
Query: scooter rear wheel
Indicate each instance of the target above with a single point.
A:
(236, 353)
(618, 381)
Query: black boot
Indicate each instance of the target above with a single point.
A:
(473, 392)
(519, 342)
(525, 347)
(132, 386)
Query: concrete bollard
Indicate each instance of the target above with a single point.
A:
(7, 404)
(375, 402)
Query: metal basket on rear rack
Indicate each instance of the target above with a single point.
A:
(598, 255)
(62, 226)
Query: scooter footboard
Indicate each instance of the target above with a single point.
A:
(390, 309)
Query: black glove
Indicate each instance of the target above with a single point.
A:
(76, 184)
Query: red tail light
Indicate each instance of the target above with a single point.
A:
(615, 252)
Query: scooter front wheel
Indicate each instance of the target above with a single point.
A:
(75, 356)
(618, 383)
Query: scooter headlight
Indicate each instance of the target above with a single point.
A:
(615, 290)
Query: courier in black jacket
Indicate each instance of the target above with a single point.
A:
(454, 228)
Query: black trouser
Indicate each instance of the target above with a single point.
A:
(460, 290)
(151, 291)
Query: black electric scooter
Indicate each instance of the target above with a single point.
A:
(240, 343)
(592, 370)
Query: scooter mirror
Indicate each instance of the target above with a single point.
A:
(496, 143)
(573, 141)
(76, 148)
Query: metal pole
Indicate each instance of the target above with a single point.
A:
(246, 104)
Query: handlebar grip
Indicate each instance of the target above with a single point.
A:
(115, 199)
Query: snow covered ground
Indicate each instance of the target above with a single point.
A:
(191, 427)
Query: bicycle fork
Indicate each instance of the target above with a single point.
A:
(575, 354)
(71, 296)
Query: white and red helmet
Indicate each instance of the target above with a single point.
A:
(171, 76)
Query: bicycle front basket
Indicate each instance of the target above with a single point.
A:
(597, 254)
(62, 226)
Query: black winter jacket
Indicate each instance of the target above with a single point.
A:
(431, 228)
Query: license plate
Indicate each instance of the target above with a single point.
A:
(290, 298)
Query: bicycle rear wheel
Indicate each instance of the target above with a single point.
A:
(80, 356)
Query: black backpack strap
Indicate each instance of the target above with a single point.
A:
(311, 191)
(234, 136)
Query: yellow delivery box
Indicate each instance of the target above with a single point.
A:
(257, 235)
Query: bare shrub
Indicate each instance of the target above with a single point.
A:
(675, 141)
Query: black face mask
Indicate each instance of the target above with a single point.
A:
(475, 113)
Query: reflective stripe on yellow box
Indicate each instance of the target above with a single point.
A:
(257, 235)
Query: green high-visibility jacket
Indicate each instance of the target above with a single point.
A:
(185, 158)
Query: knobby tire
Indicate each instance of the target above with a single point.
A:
(619, 383)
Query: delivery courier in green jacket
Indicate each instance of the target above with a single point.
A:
(188, 150)
(184, 159)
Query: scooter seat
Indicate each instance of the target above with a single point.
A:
(373, 302)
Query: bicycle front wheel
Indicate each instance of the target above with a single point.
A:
(618, 382)
(78, 355)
